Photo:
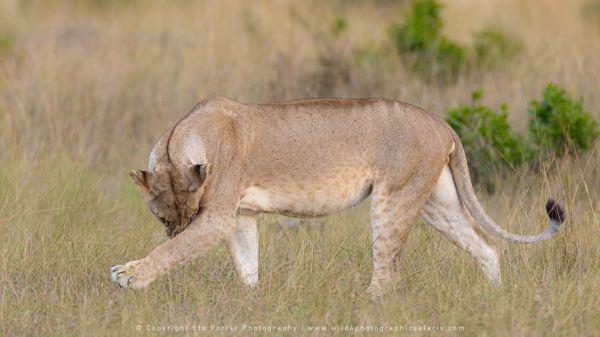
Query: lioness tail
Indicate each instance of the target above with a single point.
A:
(460, 172)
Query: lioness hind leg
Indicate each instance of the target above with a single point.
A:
(243, 247)
(392, 217)
(444, 211)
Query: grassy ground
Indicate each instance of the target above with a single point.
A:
(86, 87)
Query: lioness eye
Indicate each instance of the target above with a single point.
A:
(163, 220)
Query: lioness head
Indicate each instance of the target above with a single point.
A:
(172, 196)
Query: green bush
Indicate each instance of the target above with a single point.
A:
(338, 26)
(492, 48)
(6, 42)
(426, 51)
(451, 58)
(421, 27)
(489, 142)
(559, 124)
(424, 48)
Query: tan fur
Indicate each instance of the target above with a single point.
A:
(303, 159)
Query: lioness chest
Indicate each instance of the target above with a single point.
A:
(308, 196)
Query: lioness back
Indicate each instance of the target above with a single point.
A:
(333, 132)
(320, 155)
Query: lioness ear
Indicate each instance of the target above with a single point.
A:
(196, 175)
(143, 179)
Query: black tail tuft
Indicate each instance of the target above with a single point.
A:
(555, 211)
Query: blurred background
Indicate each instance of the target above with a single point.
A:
(88, 86)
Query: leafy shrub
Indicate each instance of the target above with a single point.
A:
(6, 42)
(421, 27)
(426, 51)
(339, 26)
(451, 58)
(492, 47)
(489, 142)
(559, 124)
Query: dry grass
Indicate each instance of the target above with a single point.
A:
(86, 87)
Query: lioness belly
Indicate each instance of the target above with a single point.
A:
(307, 199)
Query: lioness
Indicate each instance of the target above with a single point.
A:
(225, 162)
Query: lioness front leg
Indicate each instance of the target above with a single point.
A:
(201, 235)
(243, 246)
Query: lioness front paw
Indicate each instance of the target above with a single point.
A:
(131, 275)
